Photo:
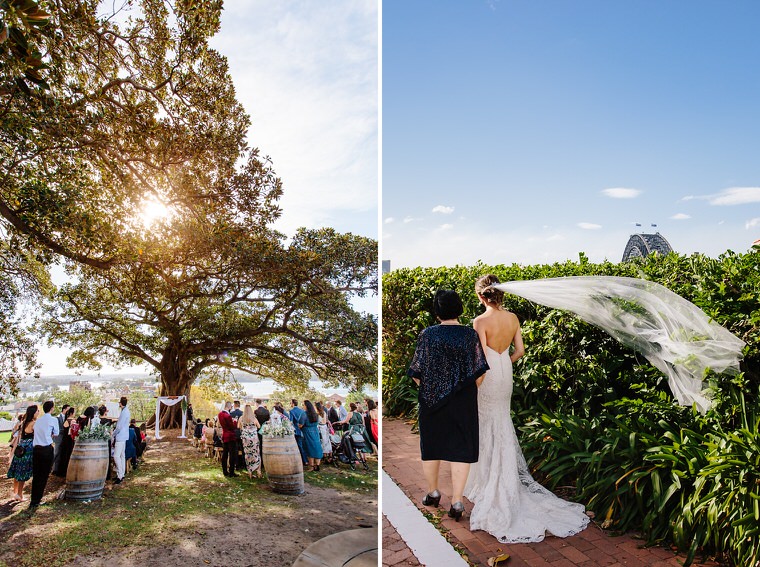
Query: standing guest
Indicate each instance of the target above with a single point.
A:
(249, 426)
(45, 428)
(104, 420)
(342, 416)
(130, 447)
(448, 365)
(82, 421)
(67, 445)
(332, 413)
(18, 423)
(298, 418)
(120, 437)
(311, 444)
(95, 421)
(59, 438)
(370, 420)
(324, 432)
(20, 469)
(189, 416)
(262, 416)
(229, 441)
(237, 412)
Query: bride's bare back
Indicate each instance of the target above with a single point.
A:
(499, 329)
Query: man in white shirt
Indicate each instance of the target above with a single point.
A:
(342, 415)
(120, 438)
(45, 429)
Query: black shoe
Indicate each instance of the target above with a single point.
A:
(432, 499)
(233, 474)
(456, 510)
(118, 481)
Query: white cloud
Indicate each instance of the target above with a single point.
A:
(736, 196)
(589, 226)
(306, 72)
(621, 193)
(407, 220)
(752, 223)
(389, 220)
(444, 210)
(680, 216)
(688, 198)
(446, 226)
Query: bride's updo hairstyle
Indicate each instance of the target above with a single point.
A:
(491, 295)
(447, 304)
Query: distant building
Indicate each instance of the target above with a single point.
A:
(80, 384)
(386, 266)
(641, 245)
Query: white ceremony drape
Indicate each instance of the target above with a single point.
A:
(170, 401)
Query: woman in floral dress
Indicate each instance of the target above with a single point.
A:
(21, 467)
(249, 427)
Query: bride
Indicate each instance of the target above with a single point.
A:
(509, 504)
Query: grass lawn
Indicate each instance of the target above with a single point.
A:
(5, 436)
(178, 503)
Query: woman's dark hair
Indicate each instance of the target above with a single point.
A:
(102, 410)
(447, 304)
(353, 406)
(89, 412)
(311, 413)
(69, 412)
(29, 416)
(370, 404)
(320, 408)
(491, 295)
(209, 422)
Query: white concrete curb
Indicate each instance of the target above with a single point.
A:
(426, 542)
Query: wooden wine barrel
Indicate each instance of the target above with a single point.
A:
(86, 475)
(283, 465)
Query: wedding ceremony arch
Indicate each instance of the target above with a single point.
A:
(171, 401)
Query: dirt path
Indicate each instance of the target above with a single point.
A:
(178, 508)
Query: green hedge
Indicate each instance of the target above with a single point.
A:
(595, 414)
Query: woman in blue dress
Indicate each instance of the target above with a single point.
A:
(21, 467)
(312, 445)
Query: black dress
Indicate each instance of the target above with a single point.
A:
(447, 362)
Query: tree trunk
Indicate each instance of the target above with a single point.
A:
(176, 380)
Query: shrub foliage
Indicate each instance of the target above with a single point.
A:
(597, 415)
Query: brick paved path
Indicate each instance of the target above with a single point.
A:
(395, 552)
(591, 548)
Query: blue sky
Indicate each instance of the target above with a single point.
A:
(519, 131)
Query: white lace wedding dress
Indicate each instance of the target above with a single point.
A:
(509, 504)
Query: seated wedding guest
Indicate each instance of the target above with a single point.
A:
(20, 469)
(198, 429)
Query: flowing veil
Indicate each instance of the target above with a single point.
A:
(675, 335)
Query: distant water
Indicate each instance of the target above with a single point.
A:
(261, 388)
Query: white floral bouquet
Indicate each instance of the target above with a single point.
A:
(97, 433)
(277, 428)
